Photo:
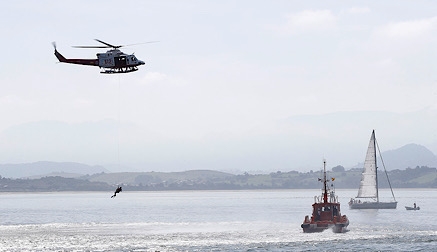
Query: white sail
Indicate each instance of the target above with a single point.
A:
(368, 186)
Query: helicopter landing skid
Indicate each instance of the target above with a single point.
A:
(119, 70)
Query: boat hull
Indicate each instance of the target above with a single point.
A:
(373, 205)
(322, 226)
(412, 208)
(313, 228)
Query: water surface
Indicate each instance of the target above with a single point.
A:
(207, 221)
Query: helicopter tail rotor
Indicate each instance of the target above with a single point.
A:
(58, 55)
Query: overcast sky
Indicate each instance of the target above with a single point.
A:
(232, 85)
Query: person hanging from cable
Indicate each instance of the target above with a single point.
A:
(118, 190)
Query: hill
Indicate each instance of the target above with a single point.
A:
(51, 184)
(150, 178)
(422, 177)
(419, 177)
(409, 156)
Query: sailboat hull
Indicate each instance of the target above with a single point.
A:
(373, 205)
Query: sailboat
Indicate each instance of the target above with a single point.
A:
(368, 197)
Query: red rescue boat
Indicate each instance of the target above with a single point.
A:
(326, 212)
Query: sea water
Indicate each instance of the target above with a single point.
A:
(208, 221)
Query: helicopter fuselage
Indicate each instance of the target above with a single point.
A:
(116, 59)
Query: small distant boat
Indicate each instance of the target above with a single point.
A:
(326, 212)
(368, 197)
(413, 208)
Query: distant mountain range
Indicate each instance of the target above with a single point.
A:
(297, 143)
(45, 168)
(408, 156)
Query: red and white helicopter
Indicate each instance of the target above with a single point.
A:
(113, 61)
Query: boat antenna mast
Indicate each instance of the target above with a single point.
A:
(325, 192)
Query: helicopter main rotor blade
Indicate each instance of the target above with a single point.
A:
(91, 46)
(148, 42)
(109, 45)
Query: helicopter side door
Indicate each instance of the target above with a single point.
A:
(106, 60)
(120, 61)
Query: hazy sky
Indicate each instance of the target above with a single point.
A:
(232, 85)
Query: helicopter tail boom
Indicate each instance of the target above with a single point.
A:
(89, 62)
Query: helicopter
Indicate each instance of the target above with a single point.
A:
(113, 61)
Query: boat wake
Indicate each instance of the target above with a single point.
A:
(180, 237)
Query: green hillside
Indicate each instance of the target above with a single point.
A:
(206, 179)
(419, 177)
(147, 178)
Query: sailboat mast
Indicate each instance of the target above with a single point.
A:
(385, 170)
(376, 165)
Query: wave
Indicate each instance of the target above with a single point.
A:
(187, 236)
